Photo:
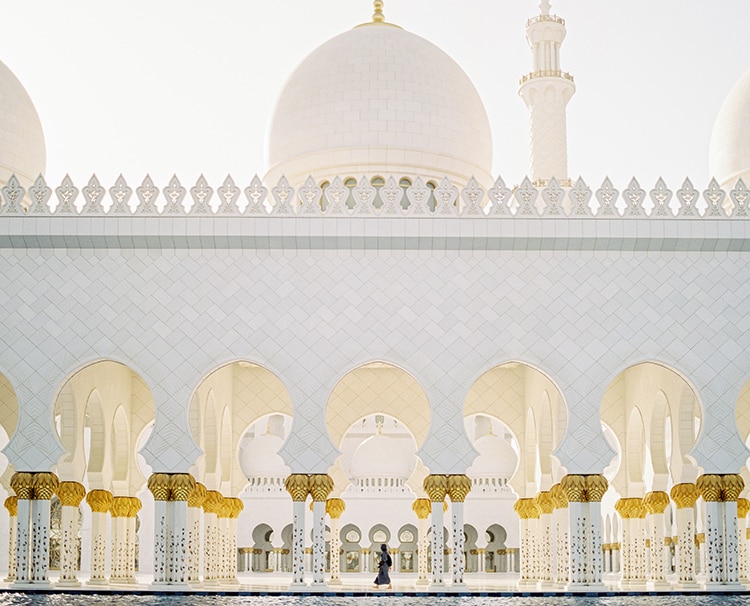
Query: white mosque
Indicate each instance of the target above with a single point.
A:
(378, 342)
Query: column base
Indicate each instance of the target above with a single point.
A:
(422, 583)
(25, 584)
(686, 585)
(714, 586)
(528, 584)
(440, 586)
(122, 581)
(97, 582)
(299, 586)
(636, 585)
(68, 583)
(9, 579)
(586, 587)
(234, 581)
(658, 585)
(321, 586)
(335, 582)
(457, 587)
(546, 585)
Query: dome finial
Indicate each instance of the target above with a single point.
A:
(377, 16)
(545, 7)
(379, 421)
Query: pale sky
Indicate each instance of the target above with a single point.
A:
(188, 86)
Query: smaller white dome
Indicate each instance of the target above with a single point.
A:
(22, 148)
(259, 458)
(729, 151)
(496, 458)
(381, 456)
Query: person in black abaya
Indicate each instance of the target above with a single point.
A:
(384, 566)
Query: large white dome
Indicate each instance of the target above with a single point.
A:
(22, 148)
(378, 100)
(729, 154)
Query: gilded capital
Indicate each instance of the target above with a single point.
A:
(197, 495)
(297, 484)
(631, 507)
(22, 484)
(44, 485)
(180, 486)
(100, 501)
(71, 493)
(544, 502)
(213, 501)
(233, 507)
(709, 486)
(158, 484)
(422, 507)
(732, 486)
(436, 487)
(684, 495)
(459, 486)
(656, 501)
(11, 504)
(321, 485)
(596, 486)
(526, 509)
(120, 507)
(335, 507)
(135, 506)
(558, 496)
(743, 507)
(574, 487)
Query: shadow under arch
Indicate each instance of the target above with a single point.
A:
(100, 411)
(514, 392)
(227, 400)
(378, 387)
(665, 400)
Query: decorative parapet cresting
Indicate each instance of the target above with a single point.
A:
(377, 197)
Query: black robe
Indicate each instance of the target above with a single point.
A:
(383, 577)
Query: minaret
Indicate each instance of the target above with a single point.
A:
(546, 91)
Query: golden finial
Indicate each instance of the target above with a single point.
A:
(377, 16)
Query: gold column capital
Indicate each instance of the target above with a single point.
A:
(22, 483)
(559, 497)
(458, 487)
(574, 487)
(158, 484)
(71, 493)
(180, 486)
(709, 485)
(120, 507)
(630, 507)
(596, 486)
(212, 502)
(320, 485)
(684, 495)
(11, 504)
(743, 507)
(732, 486)
(422, 507)
(297, 484)
(656, 501)
(335, 507)
(100, 501)
(234, 506)
(526, 509)
(544, 502)
(135, 506)
(197, 495)
(45, 484)
(436, 487)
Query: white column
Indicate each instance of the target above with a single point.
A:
(437, 542)
(595, 543)
(319, 542)
(160, 542)
(561, 540)
(546, 552)
(742, 508)
(731, 546)
(457, 556)
(176, 541)
(578, 524)
(298, 543)
(231, 573)
(98, 547)
(715, 549)
(21, 483)
(40, 509)
(685, 547)
(130, 548)
(422, 550)
(11, 504)
(69, 547)
(335, 549)
(194, 543)
(658, 556)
